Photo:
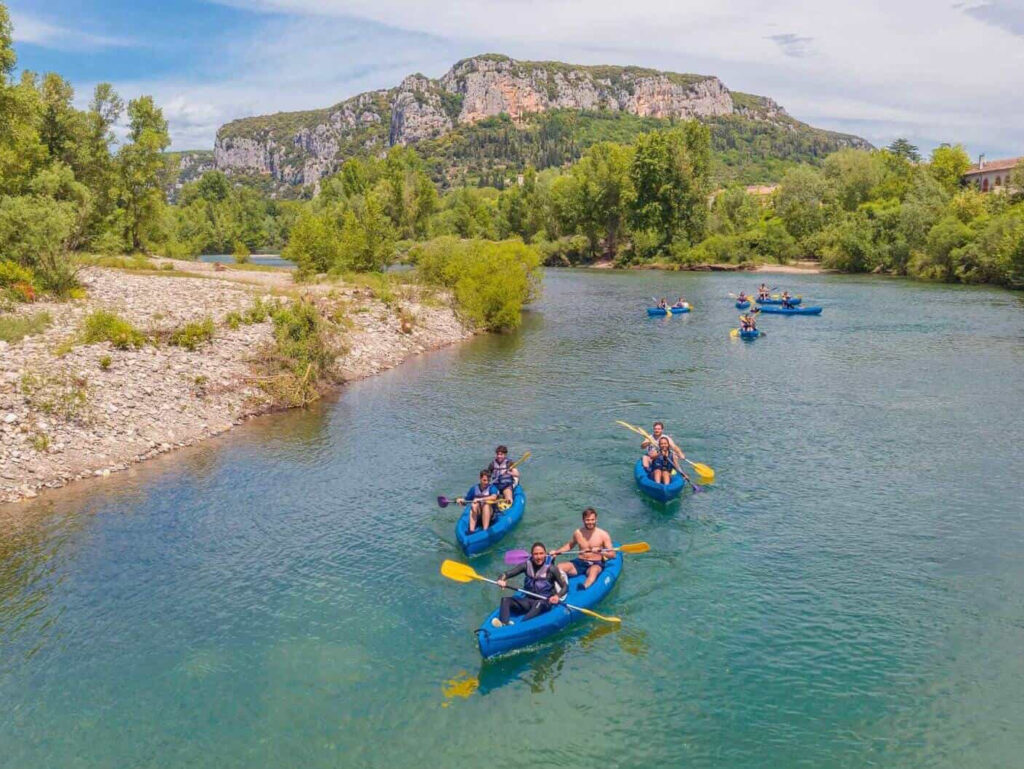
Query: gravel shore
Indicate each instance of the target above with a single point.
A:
(71, 410)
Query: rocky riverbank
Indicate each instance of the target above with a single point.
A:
(71, 410)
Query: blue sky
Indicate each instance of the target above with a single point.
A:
(931, 71)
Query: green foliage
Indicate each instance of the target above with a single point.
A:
(670, 173)
(733, 212)
(193, 334)
(105, 326)
(800, 201)
(902, 148)
(141, 166)
(14, 328)
(294, 368)
(491, 281)
(241, 253)
(105, 361)
(63, 395)
(948, 165)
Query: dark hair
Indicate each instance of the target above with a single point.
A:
(535, 545)
(661, 424)
(587, 511)
(501, 450)
(485, 472)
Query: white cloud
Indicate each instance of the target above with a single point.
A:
(932, 72)
(37, 31)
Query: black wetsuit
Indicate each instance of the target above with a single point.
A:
(545, 583)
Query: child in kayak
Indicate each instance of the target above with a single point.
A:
(541, 577)
(594, 545)
(481, 499)
(503, 475)
(680, 303)
(663, 463)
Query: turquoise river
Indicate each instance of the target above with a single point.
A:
(850, 593)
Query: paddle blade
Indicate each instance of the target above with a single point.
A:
(526, 455)
(734, 333)
(516, 557)
(593, 614)
(459, 572)
(443, 501)
(706, 473)
(633, 548)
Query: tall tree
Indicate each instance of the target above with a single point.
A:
(141, 165)
(670, 175)
(902, 148)
(948, 165)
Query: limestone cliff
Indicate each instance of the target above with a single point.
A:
(300, 148)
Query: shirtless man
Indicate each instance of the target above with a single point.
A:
(594, 545)
(658, 432)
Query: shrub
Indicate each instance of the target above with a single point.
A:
(12, 273)
(14, 328)
(61, 394)
(105, 362)
(105, 326)
(193, 334)
(491, 281)
(241, 253)
(566, 252)
(293, 368)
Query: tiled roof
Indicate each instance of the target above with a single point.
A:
(1006, 164)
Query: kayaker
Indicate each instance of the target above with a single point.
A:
(594, 545)
(663, 303)
(680, 303)
(541, 577)
(763, 292)
(658, 432)
(742, 297)
(747, 323)
(481, 498)
(786, 300)
(664, 463)
(503, 475)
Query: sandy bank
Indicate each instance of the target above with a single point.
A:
(70, 411)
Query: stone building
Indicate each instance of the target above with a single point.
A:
(991, 175)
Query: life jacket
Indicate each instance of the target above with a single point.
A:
(501, 472)
(538, 578)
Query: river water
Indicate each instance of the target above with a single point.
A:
(848, 594)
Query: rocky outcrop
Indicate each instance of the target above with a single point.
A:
(300, 148)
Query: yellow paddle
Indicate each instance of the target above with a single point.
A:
(461, 572)
(521, 459)
(706, 473)
(734, 333)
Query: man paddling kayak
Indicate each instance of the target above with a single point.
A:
(658, 432)
(541, 577)
(763, 292)
(481, 498)
(786, 300)
(594, 545)
(680, 303)
(503, 475)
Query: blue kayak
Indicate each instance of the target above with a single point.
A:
(791, 310)
(653, 311)
(498, 640)
(742, 305)
(481, 540)
(658, 491)
(749, 333)
(778, 300)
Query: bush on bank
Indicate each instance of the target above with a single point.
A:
(490, 280)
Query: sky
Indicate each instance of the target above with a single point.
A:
(932, 71)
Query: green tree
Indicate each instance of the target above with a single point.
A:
(603, 192)
(902, 148)
(853, 174)
(734, 211)
(799, 201)
(670, 175)
(948, 165)
(141, 164)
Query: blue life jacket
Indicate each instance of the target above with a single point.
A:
(538, 579)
